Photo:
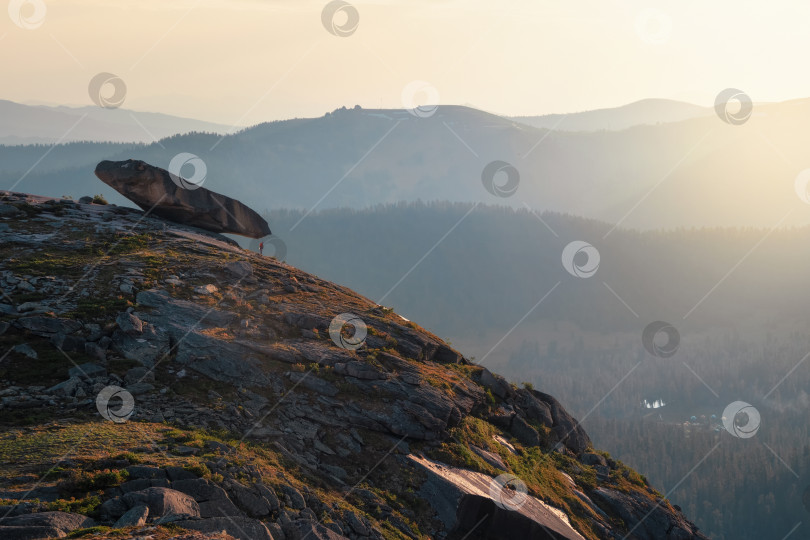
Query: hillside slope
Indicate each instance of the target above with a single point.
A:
(159, 378)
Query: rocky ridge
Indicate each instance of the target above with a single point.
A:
(401, 438)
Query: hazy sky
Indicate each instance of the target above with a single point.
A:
(246, 61)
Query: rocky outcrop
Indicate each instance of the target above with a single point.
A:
(164, 504)
(134, 517)
(213, 339)
(480, 518)
(468, 505)
(646, 519)
(202, 505)
(154, 191)
(523, 407)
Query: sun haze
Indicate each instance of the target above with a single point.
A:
(247, 61)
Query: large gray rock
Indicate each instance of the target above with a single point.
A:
(567, 429)
(269, 496)
(251, 502)
(534, 408)
(647, 520)
(67, 388)
(497, 384)
(39, 522)
(359, 525)
(130, 323)
(47, 326)
(112, 509)
(147, 349)
(135, 517)
(29, 533)
(297, 501)
(164, 503)
(485, 518)
(212, 499)
(524, 432)
(145, 471)
(154, 190)
(590, 458)
(461, 498)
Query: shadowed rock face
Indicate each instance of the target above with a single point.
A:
(153, 190)
(480, 518)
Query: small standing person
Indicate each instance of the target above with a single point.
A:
(261, 248)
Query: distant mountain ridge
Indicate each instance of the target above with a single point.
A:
(643, 112)
(693, 173)
(37, 124)
(40, 124)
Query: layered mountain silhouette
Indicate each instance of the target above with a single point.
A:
(639, 113)
(695, 172)
(40, 124)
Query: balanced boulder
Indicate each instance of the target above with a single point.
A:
(171, 197)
